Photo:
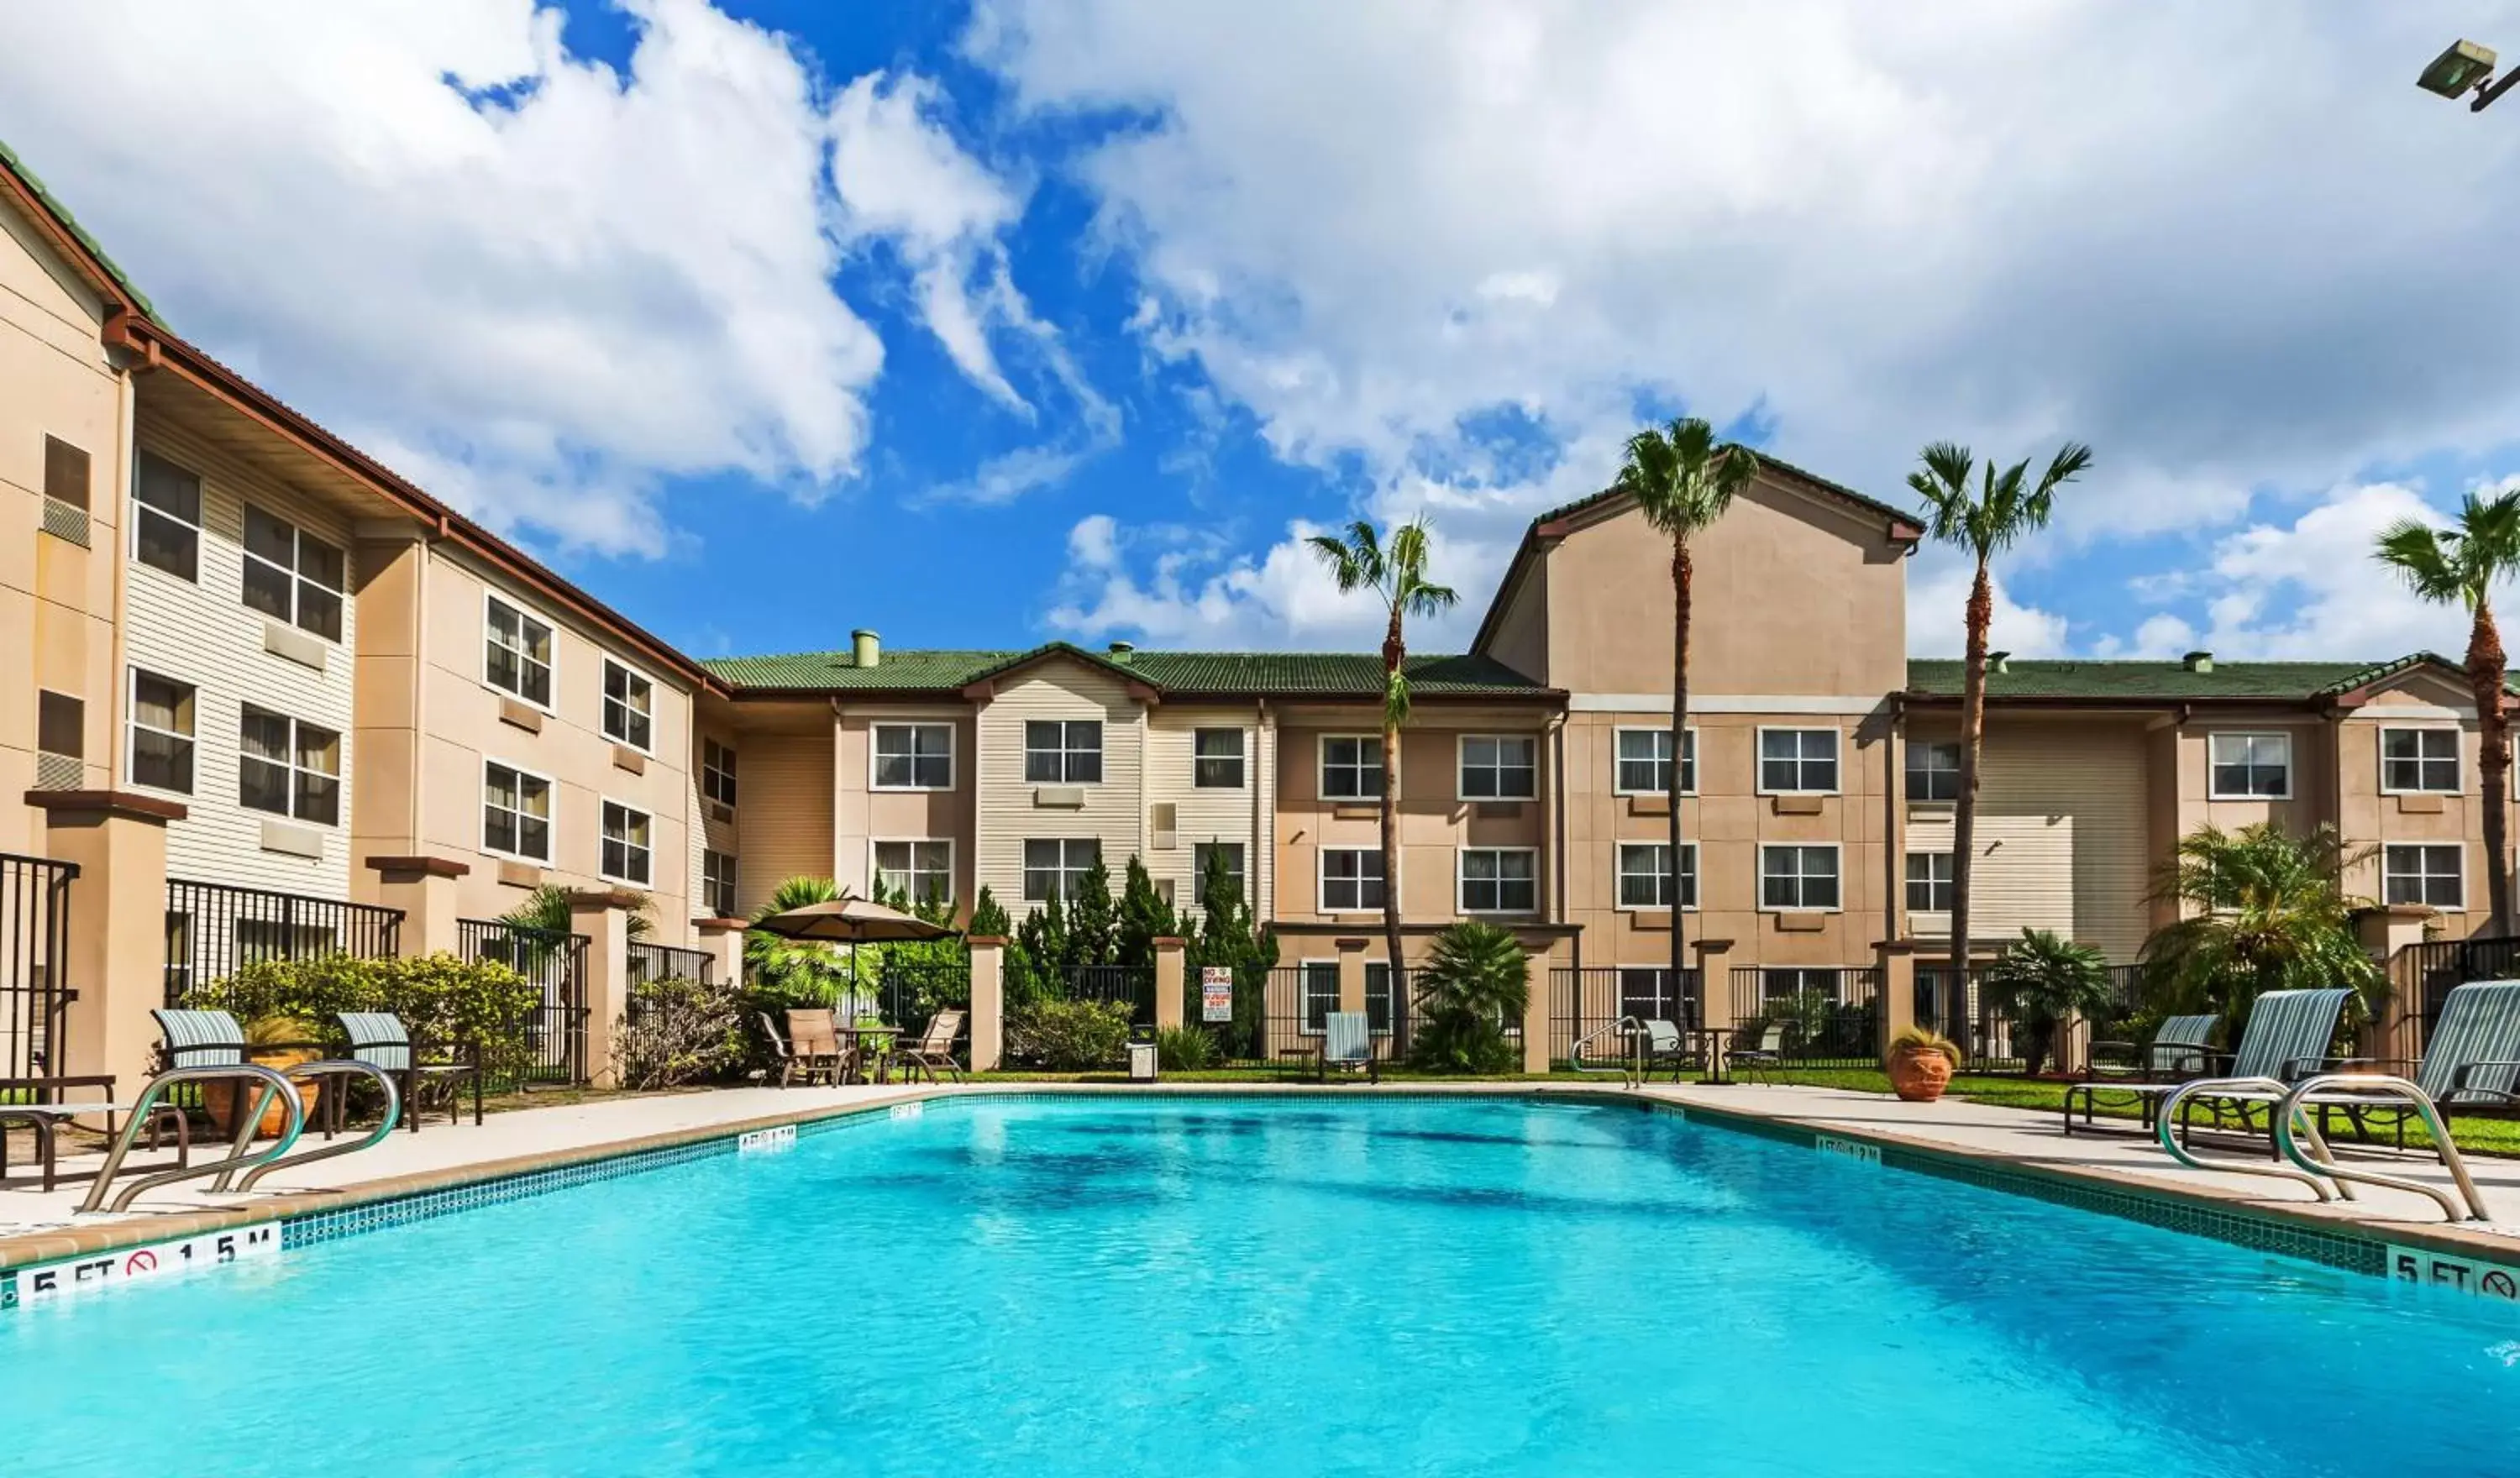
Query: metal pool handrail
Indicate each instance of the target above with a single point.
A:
(331, 1067)
(240, 1153)
(1630, 1069)
(2166, 1127)
(2360, 1090)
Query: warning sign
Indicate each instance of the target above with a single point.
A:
(1215, 992)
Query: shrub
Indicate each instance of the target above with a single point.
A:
(2042, 981)
(1185, 1049)
(438, 997)
(1069, 1036)
(1474, 982)
(678, 1032)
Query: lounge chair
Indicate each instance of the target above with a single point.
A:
(2181, 1048)
(2288, 1038)
(1347, 1043)
(381, 1040)
(934, 1048)
(1666, 1046)
(1766, 1056)
(2473, 1061)
(811, 1046)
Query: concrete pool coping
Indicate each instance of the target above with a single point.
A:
(1977, 1144)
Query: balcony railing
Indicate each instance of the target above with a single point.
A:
(213, 930)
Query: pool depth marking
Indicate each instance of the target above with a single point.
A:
(155, 1260)
(1848, 1150)
(768, 1141)
(2440, 1270)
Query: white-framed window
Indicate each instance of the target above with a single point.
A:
(2434, 875)
(629, 708)
(627, 851)
(923, 870)
(162, 733)
(1497, 880)
(2420, 761)
(1351, 767)
(1320, 986)
(1200, 853)
(921, 756)
(2250, 766)
(717, 773)
(1053, 867)
(1500, 767)
(1063, 752)
(1351, 879)
(1216, 761)
(1930, 882)
(717, 883)
(1933, 770)
(166, 524)
(289, 766)
(1798, 761)
(516, 656)
(1644, 762)
(1798, 878)
(516, 811)
(292, 576)
(1644, 870)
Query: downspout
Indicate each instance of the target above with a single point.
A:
(1264, 813)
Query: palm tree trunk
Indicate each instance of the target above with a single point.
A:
(1393, 650)
(1680, 607)
(1981, 617)
(2485, 663)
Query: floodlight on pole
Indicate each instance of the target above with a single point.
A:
(2466, 67)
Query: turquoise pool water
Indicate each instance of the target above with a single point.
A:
(1039, 1287)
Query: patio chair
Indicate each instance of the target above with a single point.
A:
(1762, 1059)
(1666, 1046)
(381, 1040)
(2286, 1038)
(45, 1116)
(934, 1048)
(811, 1046)
(2179, 1048)
(2471, 1061)
(1347, 1043)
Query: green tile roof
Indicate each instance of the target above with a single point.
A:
(70, 223)
(2163, 681)
(1766, 463)
(1256, 674)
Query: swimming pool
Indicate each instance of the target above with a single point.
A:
(1042, 1287)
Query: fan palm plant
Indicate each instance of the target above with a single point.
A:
(804, 971)
(2041, 983)
(1395, 572)
(1984, 521)
(1476, 982)
(2261, 911)
(2459, 565)
(1682, 481)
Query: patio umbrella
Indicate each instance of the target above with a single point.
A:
(853, 921)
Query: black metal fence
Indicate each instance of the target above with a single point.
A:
(213, 929)
(554, 961)
(665, 961)
(2421, 977)
(1586, 1006)
(35, 990)
(1129, 985)
(1818, 1016)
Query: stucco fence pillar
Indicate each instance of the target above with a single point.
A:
(722, 940)
(115, 958)
(425, 889)
(988, 1000)
(1171, 1004)
(1894, 966)
(603, 916)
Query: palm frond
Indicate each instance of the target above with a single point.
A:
(2427, 559)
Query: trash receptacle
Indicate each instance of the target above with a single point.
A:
(1142, 1061)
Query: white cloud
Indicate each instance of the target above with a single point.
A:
(1938, 591)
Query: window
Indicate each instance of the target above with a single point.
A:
(289, 768)
(1929, 882)
(2251, 766)
(1645, 874)
(1798, 878)
(1351, 879)
(1798, 761)
(1320, 993)
(1351, 768)
(292, 576)
(1379, 1003)
(1644, 762)
(1218, 762)
(921, 871)
(518, 659)
(629, 706)
(2424, 875)
(167, 532)
(717, 884)
(2420, 759)
(1646, 993)
(1784, 984)
(61, 724)
(1054, 869)
(1202, 853)
(1500, 880)
(921, 756)
(1068, 753)
(1500, 767)
(625, 843)
(1933, 771)
(515, 812)
(717, 773)
(65, 474)
(162, 733)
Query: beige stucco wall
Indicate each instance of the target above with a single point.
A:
(2371, 819)
(865, 815)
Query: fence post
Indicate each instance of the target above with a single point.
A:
(1897, 963)
(1171, 1008)
(603, 916)
(722, 940)
(2385, 931)
(425, 889)
(114, 957)
(988, 1000)
(1715, 982)
(1535, 1012)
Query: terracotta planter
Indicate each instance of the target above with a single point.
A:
(1919, 1076)
(221, 1099)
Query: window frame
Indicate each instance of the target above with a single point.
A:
(875, 870)
(1836, 761)
(1242, 757)
(1322, 881)
(713, 750)
(2457, 760)
(132, 729)
(1025, 868)
(1462, 882)
(711, 879)
(294, 573)
(1198, 874)
(550, 818)
(1908, 771)
(2424, 876)
(1687, 759)
(550, 665)
(1067, 754)
(2212, 782)
(1305, 1023)
(605, 806)
(875, 755)
(1322, 769)
(1619, 873)
(604, 702)
(1461, 766)
(1949, 882)
(142, 510)
(296, 772)
(1836, 850)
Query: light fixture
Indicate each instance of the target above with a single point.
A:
(2466, 67)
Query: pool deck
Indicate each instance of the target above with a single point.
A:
(38, 1227)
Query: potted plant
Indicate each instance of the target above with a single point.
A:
(275, 1042)
(1921, 1063)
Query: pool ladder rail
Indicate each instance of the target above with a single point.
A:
(275, 1082)
(2298, 1140)
(1629, 1069)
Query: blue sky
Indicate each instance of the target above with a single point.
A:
(988, 324)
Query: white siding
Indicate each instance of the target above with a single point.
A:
(783, 795)
(1114, 811)
(2060, 839)
(1203, 816)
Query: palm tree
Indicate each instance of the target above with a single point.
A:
(1682, 481)
(804, 971)
(1985, 523)
(1396, 573)
(1475, 983)
(2041, 983)
(2459, 565)
(2261, 911)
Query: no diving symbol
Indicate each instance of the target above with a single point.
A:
(140, 1261)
